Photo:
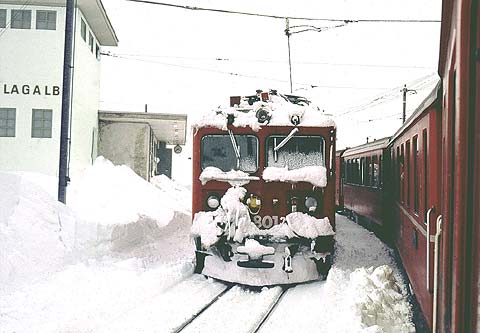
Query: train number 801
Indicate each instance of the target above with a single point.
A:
(267, 221)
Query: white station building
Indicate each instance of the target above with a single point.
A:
(31, 73)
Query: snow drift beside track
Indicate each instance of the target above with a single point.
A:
(36, 232)
(111, 211)
(121, 209)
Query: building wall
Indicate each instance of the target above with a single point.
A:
(126, 144)
(31, 57)
(86, 101)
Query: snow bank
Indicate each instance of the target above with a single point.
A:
(374, 298)
(315, 175)
(175, 195)
(308, 226)
(378, 300)
(36, 231)
(356, 297)
(109, 194)
(233, 177)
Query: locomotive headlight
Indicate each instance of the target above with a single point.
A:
(254, 204)
(311, 204)
(263, 116)
(213, 201)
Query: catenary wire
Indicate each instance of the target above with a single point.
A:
(225, 11)
(312, 85)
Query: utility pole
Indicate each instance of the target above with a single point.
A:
(404, 91)
(287, 32)
(66, 102)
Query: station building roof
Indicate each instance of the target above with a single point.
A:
(169, 128)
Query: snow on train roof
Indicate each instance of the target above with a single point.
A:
(374, 145)
(280, 108)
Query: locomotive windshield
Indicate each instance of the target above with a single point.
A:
(218, 151)
(298, 152)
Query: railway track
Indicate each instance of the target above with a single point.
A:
(238, 301)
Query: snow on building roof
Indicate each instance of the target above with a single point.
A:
(169, 128)
(278, 109)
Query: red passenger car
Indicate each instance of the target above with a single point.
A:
(363, 186)
(456, 300)
(263, 191)
(433, 181)
(414, 192)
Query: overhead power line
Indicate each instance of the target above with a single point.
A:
(389, 95)
(311, 85)
(225, 11)
(222, 59)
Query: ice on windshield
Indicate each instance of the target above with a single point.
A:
(298, 152)
(218, 151)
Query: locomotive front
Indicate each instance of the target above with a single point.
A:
(263, 191)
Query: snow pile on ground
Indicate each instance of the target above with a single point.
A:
(379, 301)
(233, 177)
(175, 195)
(364, 291)
(315, 175)
(89, 297)
(308, 226)
(118, 209)
(279, 108)
(36, 232)
(109, 194)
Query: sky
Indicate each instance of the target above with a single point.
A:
(183, 61)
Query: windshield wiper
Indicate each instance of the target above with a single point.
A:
(287, 138)
(236, 149)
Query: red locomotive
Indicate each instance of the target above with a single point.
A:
(431, 187)
(263, 191)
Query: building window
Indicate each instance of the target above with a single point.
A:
(41, 123)
(83, 30)
(46, 20)
(21, 19)
(7, 122)
(90, 41)
(3, 18)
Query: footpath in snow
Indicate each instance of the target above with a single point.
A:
(66, 269)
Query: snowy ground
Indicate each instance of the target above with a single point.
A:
(150, 286)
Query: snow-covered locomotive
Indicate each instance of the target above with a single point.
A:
(263, 191)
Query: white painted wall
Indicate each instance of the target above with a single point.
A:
(35, 57)
(127, 144)
(31, 57)
(86, 99)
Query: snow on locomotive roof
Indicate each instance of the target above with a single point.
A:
(265, 109)
(374, 145)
